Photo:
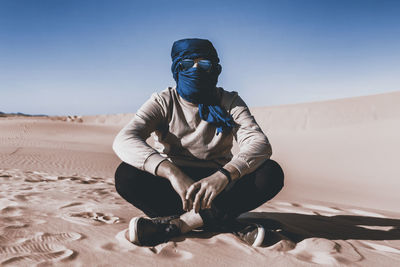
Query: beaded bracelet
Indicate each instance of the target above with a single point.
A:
(226, 173)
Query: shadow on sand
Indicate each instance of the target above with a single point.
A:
(297, 227)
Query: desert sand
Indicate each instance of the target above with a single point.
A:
(339, 207)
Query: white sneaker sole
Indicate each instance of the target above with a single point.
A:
(260, 236)
(133, 235)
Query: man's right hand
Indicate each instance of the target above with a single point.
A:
(179, 181)
(181, 184)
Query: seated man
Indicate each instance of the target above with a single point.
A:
(191, 179)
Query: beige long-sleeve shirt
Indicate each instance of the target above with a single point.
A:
(183, 138)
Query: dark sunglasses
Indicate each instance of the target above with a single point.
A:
(203, 64)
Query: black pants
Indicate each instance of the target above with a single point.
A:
(155, 195)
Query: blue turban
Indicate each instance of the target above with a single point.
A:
(199, 86)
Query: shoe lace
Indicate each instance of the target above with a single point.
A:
(171, 229)
(166, 219)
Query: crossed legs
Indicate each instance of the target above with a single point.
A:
(156, 197)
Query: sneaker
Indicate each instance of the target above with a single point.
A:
(150, 232)
(252, 234)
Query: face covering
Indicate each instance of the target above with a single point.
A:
(198, 86)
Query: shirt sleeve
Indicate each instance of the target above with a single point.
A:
(130, 143)
(254, 146)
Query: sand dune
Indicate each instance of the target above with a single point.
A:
(58, 205)
(349, 144)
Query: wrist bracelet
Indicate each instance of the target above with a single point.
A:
(226, 173)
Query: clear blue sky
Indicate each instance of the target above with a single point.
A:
(103, 57)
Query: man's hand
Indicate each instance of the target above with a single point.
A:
(181, 184)
(203, 192)
(178, 179)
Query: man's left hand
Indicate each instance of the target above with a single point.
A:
(203, 192)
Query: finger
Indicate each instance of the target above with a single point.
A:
(205, 199)
(197, 200)
(189, 204)
(184, 204)
(210, 199)
(192, 190)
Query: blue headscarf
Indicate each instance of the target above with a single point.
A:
(198, 86)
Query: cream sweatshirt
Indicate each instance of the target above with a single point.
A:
(183, 138)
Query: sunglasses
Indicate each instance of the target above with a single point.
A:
(203, 64)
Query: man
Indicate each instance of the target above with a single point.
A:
(192, 180)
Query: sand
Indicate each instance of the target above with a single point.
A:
(58, 204)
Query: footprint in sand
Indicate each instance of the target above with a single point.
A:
(100, 193)
(16, 236)
(226, 240)
(324, 251)
(59, 237)
(171, 251)
(30, 259)
(12, 210)
(12, 215)
(167, 251)
(37, 249)
(30, 197)
(15, 222)
(12, 235)
(98, 189)
(37, 177)
(91, 218)
(72, 204)
(83, 179)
